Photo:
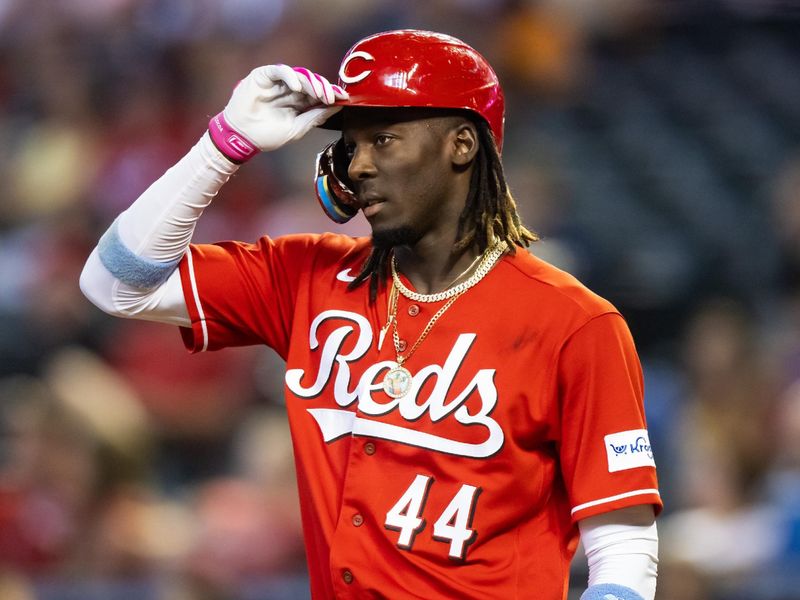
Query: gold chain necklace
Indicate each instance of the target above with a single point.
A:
(398, 380)
(476, 260)
(488, 259)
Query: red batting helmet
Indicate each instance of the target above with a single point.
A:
(422, 69)
(408, 68)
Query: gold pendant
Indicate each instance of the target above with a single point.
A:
(397, 382)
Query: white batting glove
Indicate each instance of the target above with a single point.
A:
(273, 105)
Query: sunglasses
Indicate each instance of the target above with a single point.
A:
(332, 184)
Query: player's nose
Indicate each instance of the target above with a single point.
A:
(361, 165)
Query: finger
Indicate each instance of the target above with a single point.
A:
(289, 76)
(330, 95)
(314, 117)
(267, 75)
(299, 101)
(311, 83)
(340, 93)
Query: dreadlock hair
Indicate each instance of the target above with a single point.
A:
(490, 215)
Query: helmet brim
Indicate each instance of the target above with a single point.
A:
(409, 112)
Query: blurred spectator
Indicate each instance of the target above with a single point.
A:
(247, 525)
(786, 220)
(41, 309)
(782, 486)
(53, 480)
(722, 530)
(732, 393)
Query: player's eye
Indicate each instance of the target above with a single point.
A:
(349, 150)
(382, 139)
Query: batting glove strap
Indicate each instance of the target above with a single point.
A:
(610, 591)
(233, 145)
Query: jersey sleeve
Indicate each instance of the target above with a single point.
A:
(241, 294)
(606, 459)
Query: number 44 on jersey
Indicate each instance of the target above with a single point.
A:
(453, 525)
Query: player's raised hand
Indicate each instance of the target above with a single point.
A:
(273, 105)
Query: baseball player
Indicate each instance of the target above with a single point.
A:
(461, 411)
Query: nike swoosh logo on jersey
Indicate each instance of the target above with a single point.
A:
(345, 276)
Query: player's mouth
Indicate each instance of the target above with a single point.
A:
(371, 210)
(371, 204)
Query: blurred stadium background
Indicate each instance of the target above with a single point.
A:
(655, 144)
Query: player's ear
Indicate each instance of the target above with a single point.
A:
(464, 143)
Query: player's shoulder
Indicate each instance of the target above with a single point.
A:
(332, 245)
(321, 251)
(547, 285)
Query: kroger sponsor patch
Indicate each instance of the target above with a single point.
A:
(628, 450)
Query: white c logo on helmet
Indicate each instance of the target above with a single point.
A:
(355, 79)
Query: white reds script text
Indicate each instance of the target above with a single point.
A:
(334, 364)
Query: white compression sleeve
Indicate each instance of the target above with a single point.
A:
(622, 548)
(158, 227)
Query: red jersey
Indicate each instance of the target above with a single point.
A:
(524, 416)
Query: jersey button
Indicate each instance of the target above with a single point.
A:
(402, 345)
(358, 520)
(347, 576)
(369, 448)
(413, 310)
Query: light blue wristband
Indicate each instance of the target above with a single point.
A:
(127, 267)
(610, 591)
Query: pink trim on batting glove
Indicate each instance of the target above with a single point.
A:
(230, 142)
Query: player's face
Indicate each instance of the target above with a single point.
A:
(403, 174)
